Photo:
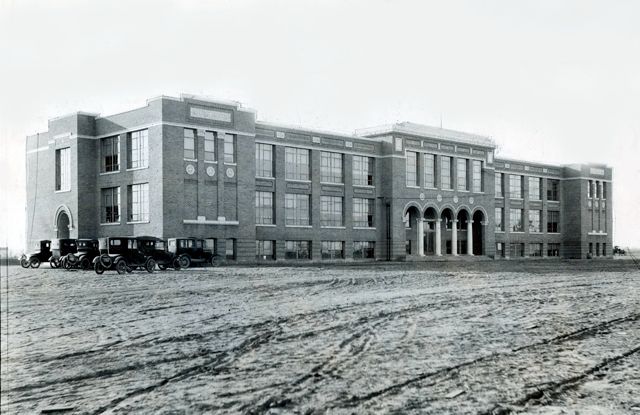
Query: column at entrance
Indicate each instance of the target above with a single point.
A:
(438, 238)
(454, 237)
(470, 237)
(420, 236)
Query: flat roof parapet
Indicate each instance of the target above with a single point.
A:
(427, 131)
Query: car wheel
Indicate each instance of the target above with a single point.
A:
(176, 264)
(121, 267)
(24, 262)
(54, 264)
(151, 265)
(35, 262)
(213, 261)
(162, 267)
(67, 264)
(98, 268)
(185, 261)
(85, 263)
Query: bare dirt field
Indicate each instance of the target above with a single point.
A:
(548, 337)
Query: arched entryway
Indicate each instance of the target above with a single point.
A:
(412, 219)
(479, 222)
(62, 225)
(464, 228)
(449, 233)
(430, 232)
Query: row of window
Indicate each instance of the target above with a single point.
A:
(210, 152)
(137, 203)
(297, 210)
(597, 190)
(300, 250)
(516, 220)
(597, 251)
(421, 171)
(516, 187)
(517, 249)
(137, 151)
(297, 162)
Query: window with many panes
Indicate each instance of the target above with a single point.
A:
(229, 148)
(499, 249)
(553, 221)
(429, 170)
(63, 169)
(535, 188)
(535, 225)
(462, 174)
(515, 220)
(332, 249)
(138, 149)
(331, 167)
(476, 174)
(412, 168)
(110, 205)
(296, 209)
(230, 249)
(363, 212)
(445, 173)
(138, 202)
(362, 171)
(553, 189)
(264, 208)
(331, 213)
(364, 249)
(553, 249)
(265, 250)
(209, 146)
(110, 149)
(296, 163)
(515, 186)
(297, 249)
(499, 185)
(190, 150)
(499, 219)
(517, 250)
(604, 190)
(264, 160)
(535, 249)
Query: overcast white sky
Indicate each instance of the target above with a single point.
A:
(553, 81)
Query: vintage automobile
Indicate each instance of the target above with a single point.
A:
(87, 250)
(59, 249)
(41, 252)
(619, 251)
(191, 251)
(157, 249)
(121, 254)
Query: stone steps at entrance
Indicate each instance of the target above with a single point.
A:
(446, 258)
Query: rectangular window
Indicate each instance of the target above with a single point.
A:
(264, 208)
(499, 249)
(296, 210)
(515, 186)
(364, 250)
(264, 160)
(138, 202)
(445, 173)
(553, 249)
(499, 185)
(590, 189)
(331, 167)
(296, 163)
(363, 213)
(297, 250)
(517, 250)
(535, 249)
(553, 221)
(604, 190)
(265, 250)
(362, 171)
(553, 189)
(412, 168)
(331, 211)
(515, 220)
(63, 169)
(138, 149)
(190, 144)
(110, 148)
(535, 187)
(429, 170)
(499, 220)
(597, 248)
(229, 148)
(477, 176)
(604, 249)
(209, 146)
(590, 248)
(230, 249)
(332, 250)
(110, 205)
(462, 174)
(535, 225)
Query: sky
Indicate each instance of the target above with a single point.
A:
(548, 81)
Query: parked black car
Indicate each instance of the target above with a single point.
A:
(121, 254)
(61, 248)
(191, 251)
(41, 252)
(87, 250)
(157, 249)
(619, 251)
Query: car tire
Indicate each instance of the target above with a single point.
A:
(150, 265)
(54, 264)
(85, 263)
(34, 263)
(24, 262)
(213, 261)
(67, 264)
(106, 261)
(121, 267)
(176, 264)
(185, 261)
(98, 268)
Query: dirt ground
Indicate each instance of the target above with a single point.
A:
(552, 337)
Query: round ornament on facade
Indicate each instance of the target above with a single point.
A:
(471, 200)
(211, 171)
(230, 172)
(455, 199)
(421, 196)
(190, 169)
(439, 198)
